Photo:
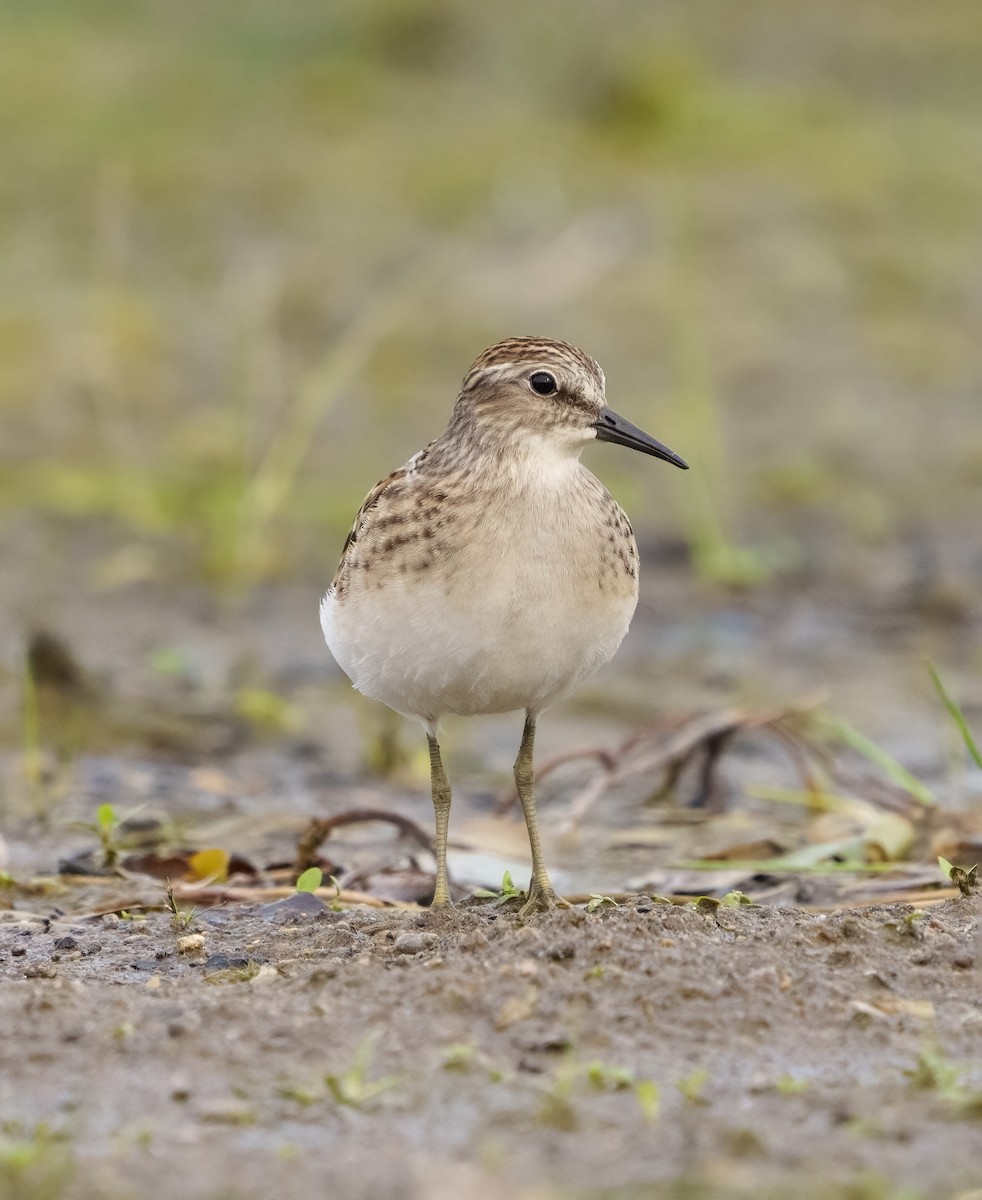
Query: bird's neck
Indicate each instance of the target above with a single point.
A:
(502, 457)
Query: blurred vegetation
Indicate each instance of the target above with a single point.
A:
(248, 250)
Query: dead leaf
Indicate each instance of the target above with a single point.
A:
(209, 864)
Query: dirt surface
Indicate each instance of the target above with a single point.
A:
(734, 1051)
(649, 1049)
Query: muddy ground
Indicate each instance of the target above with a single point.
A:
(816, 1043)
(647, 1050)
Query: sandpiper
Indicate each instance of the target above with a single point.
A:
(493, 572)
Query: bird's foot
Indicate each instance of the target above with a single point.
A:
(541, 899)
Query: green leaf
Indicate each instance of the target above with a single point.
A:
(691, 1086)
(310, 880)
(648, 1097)
(106, 816)
(880, 758)
(956, 714)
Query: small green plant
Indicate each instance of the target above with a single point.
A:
(558, 1108)
(352, 1088)
(607, 1078)
(106, 828)
(893, 770)
(597, 902)
(965, 881)
(935, 1072)
(692, 1086)
(36, 1164)
(464, 1056)
(310, 880)
(508, 891)
(241, 974)
(31, 717)
(956, 714)
(459, 1056)
(183, 917)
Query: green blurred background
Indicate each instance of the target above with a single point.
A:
(249, 249)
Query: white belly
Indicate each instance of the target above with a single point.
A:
(483, 648)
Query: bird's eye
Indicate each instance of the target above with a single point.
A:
(543, 383)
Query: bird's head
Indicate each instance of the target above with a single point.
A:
(537, 388)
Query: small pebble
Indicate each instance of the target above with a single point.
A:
(225, 962)
(296, 907)
(191, 943)
(413, 943)
(41, 970)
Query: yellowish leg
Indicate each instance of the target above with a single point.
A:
(441, 806)
(541, 895)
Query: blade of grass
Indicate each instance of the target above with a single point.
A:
(879, 757)
(956, 714)
(31, 716)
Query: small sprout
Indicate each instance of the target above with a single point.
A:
(351, 1088)
(956, 714)
(303, 1096)
(965, 881)
(934, 1072)
(233, 974)
(787, 1085)
(508, 891)
(459, 1056)
(596, 902)
(707, 905)
(649, 1098)
(266, 711)
(168, 660)
(558, 1109)
(691, 1086)
(310, 880)
(880, 758)
(335, 905)
(107, 828)
(737, 900)
(606, 1078)
(183, 918)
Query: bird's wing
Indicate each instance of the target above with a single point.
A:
(376, 502)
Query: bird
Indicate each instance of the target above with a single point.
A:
(493, 572)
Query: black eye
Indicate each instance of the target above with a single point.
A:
(543, 383)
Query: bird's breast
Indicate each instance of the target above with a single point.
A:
(518, 593)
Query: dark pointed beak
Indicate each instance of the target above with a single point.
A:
(613, 428)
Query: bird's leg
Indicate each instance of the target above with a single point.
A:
(541, 895)
(441, 806)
